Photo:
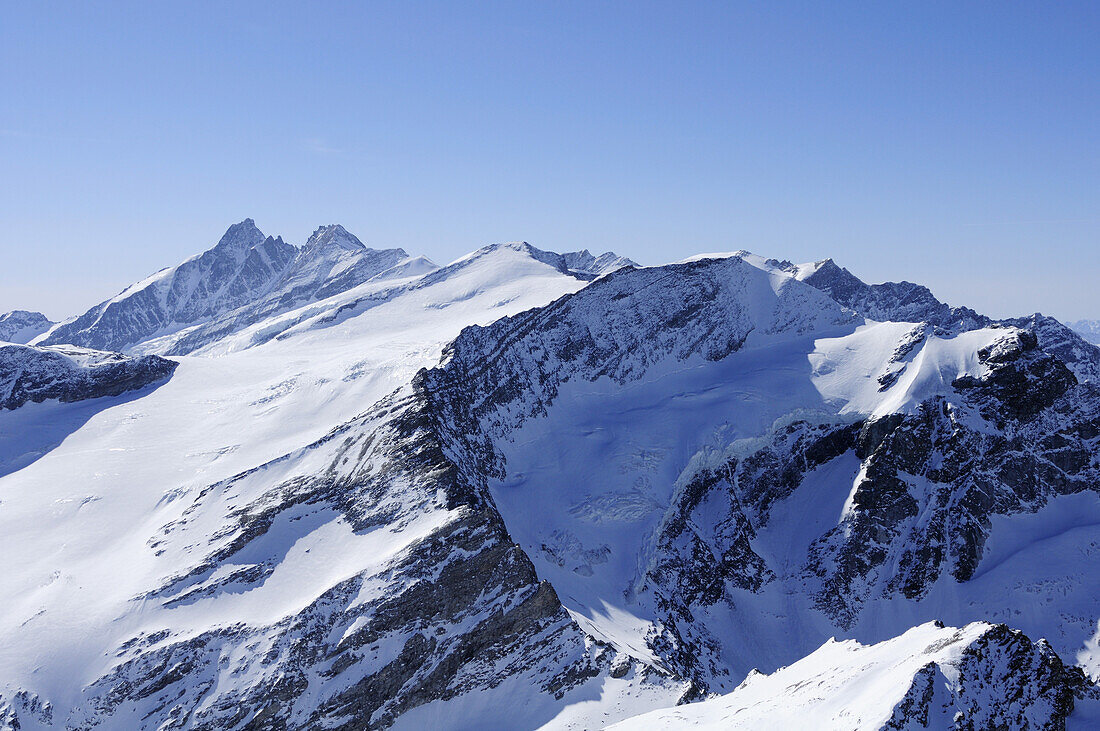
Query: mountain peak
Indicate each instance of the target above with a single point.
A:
(241, 236)
(21, 326)
(584, 262)
(334, 235)
(581, 264)
(1088, 329)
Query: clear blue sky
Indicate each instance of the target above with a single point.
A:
(955, 144)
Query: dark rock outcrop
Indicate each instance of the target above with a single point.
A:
(36, 374)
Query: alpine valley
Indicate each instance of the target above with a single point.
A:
(334, 487)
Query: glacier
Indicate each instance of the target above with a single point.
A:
(330, 486)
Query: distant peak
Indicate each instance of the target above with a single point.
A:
(241, 235)
(246, 225)
(27, 315)
(584, 262)
(334, 235)
(581, 264)
(21, 326)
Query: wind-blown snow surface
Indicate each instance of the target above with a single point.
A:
(659, 481)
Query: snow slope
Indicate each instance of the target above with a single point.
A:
(534, 490)
(97, 564)
(656, 441)
(935, 677)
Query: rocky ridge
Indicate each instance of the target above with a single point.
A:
(426, 603)
(247, 276)
(21, 326)
(933, 677)
(67, 373)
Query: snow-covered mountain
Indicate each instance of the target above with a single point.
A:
(21, 326)
(1088, 329)
(584, 262)
(530, 489)
(243, 279)
(979, 676)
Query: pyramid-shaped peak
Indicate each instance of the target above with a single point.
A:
(243, 235)
(334, 235)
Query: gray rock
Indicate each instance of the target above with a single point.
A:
(66, 373)
(21, 326)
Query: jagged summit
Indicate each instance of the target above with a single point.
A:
(395, 495)
(333, 235)
(241, 236)
(584, 261)
(903, 300)
(246, 275)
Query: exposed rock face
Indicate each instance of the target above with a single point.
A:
(932, 677)
(21, 326)
(584, 262)
(501, 375)
(1079, 355)
(243, 279)
(496, 378)
(442, 604)
(66, 373)
(897, 301)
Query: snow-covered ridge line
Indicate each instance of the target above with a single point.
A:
(651, 482)
(21, 326)
(979, 676)
(895, 398)
(248, 278)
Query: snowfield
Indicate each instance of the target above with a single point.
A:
(846, 685)
(330, 486)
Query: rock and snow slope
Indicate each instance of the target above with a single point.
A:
(718, 467)
(935, 677)
(68, 373)
(245, 278)
(21, 326)
(620, 488)
(1088, 329)
(330, 532)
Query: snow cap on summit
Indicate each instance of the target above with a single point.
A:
(334, 235)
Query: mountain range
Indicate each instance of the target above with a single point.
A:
(330, 486)
(1087, 329)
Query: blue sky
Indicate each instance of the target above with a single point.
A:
(954, 144)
